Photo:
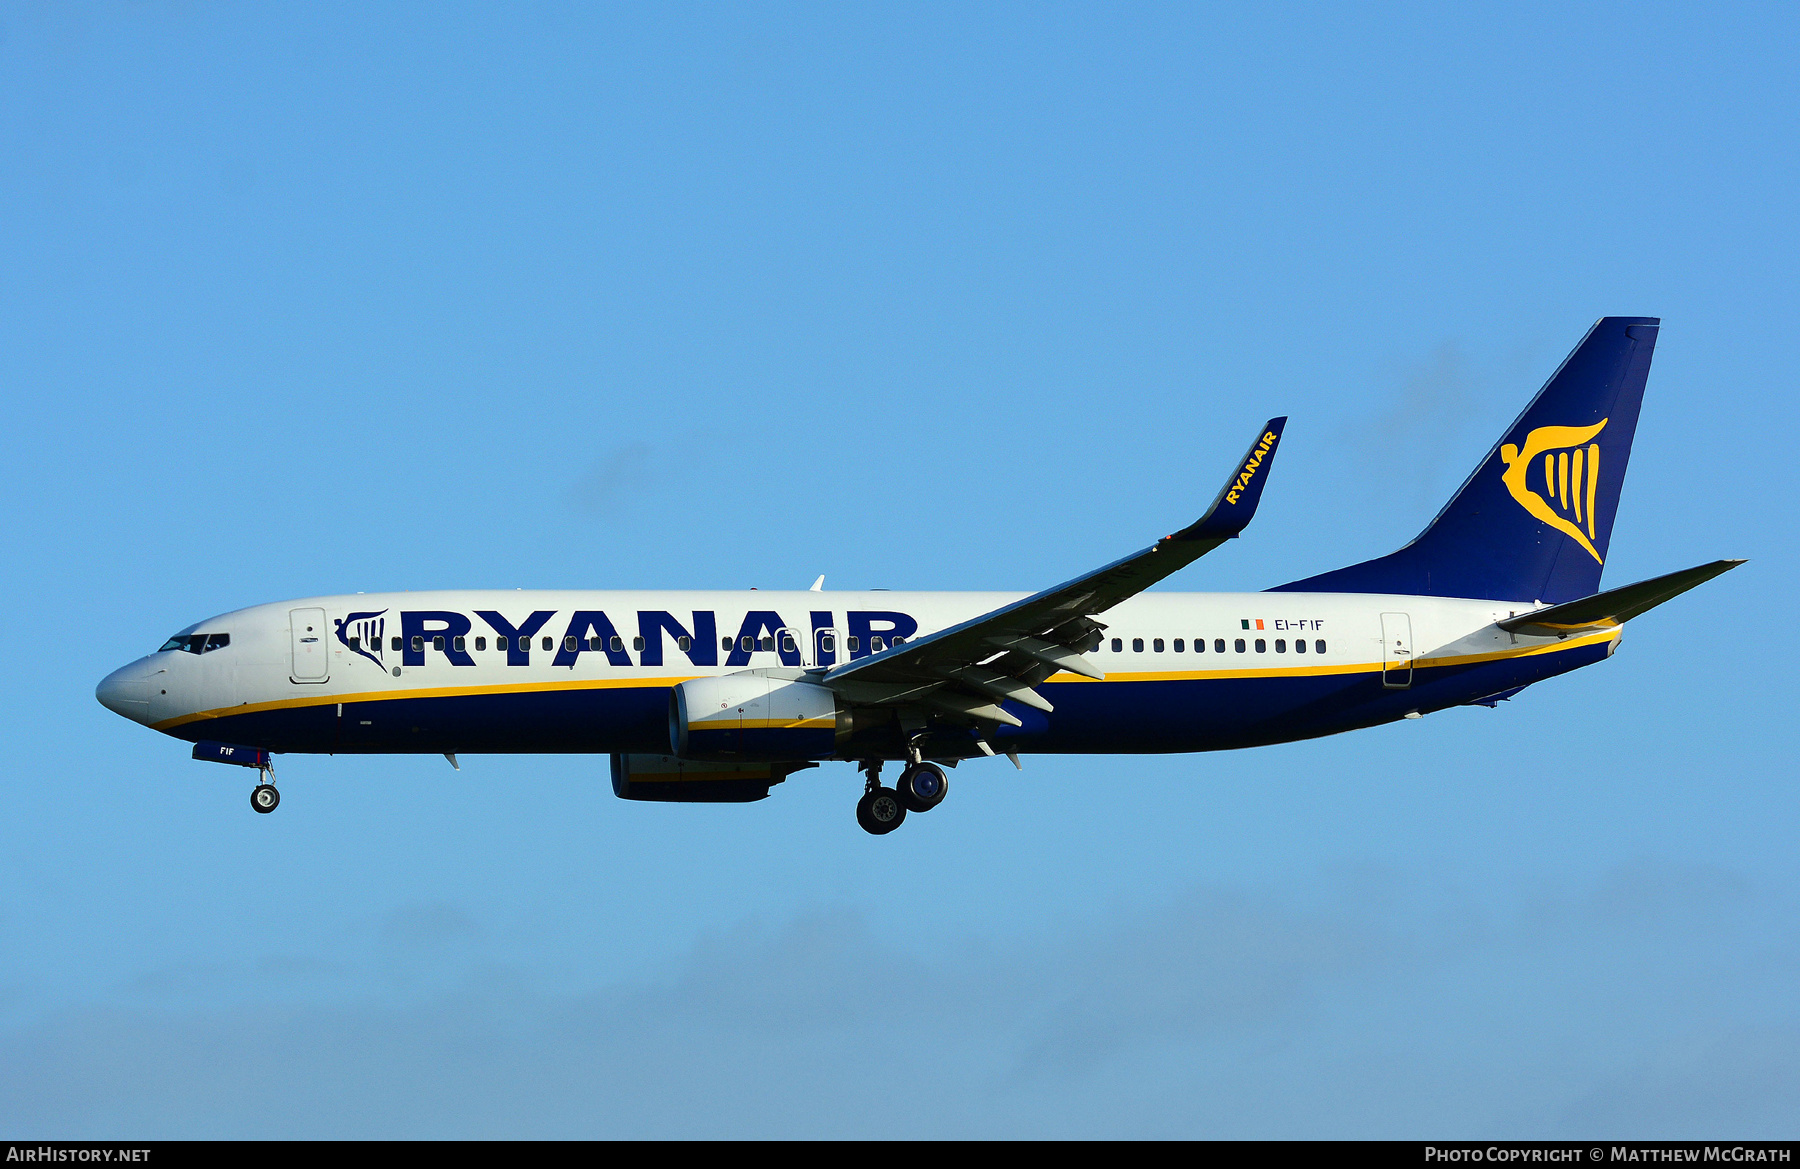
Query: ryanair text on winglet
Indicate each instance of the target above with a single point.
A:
(1263, 447)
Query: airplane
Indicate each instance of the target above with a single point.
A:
(718, 696)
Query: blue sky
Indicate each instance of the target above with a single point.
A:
(311, 299)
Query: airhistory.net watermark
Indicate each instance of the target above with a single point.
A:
(54, 1154)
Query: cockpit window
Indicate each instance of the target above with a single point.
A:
(196, 643)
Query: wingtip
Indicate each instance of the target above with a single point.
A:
(1235, 506)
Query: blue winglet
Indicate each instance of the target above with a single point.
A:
(1232, 511)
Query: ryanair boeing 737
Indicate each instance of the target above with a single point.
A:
(718, 696)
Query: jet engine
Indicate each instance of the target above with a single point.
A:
(747, 717)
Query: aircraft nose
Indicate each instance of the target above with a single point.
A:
(126, 691)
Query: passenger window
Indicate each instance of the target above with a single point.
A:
(1219, 645)
(637, 643)
(395, 646)
(766, 645)
(1238, 645)
(876, 645)
(594, 643)
(549, 643)
(827, 644)
(1118, 646)
(617, 644)
(1137, 645)
(481, 643)
(418, 644)
(851, 642)
(1318, 647)
(1262, 647)
(355, 642)
(898, 641)
(1299, 645)
(1199, 645)
(787, 644)
(457, 644)
(1179, 645)
(747, 644)
(500, 643)
(1157, 645)
(437, 643)
(570, 644)
(684, 643)
(1281, 645)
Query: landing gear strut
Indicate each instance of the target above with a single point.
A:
(264, 798)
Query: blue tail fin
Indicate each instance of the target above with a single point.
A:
(1533, 522)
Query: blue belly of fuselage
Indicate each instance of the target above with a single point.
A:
(1111, 717)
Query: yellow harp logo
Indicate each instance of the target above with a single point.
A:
(1570, 470)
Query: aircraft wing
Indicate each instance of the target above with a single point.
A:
(1615, 606)
(969, 669)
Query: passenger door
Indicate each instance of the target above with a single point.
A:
(312, 656)
(1396, 651)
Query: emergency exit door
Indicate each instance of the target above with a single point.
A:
(1396, 651)
(312, 662)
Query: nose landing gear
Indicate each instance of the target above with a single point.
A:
(263, 797)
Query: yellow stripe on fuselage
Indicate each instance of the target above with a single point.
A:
(1308, 670)
(760, 724)
(1351, 668)
(427, 692)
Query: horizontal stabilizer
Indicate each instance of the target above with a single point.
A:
(1617, 606)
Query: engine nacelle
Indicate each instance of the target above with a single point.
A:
(685, 781)
(744, 717)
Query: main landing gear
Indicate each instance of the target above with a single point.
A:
(920, 788)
